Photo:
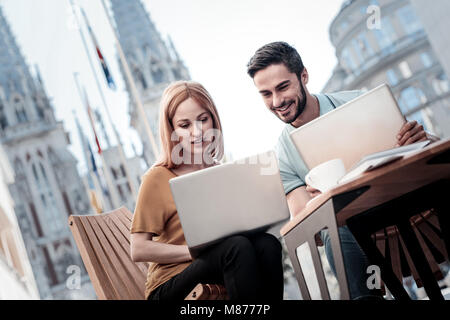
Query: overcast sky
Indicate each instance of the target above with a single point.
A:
(215, 39)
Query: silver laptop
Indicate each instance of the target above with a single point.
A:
(243, 196)
(365, 125)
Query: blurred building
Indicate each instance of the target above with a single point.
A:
(436, 24)
(120, 181)
(384, 41)
(153, 63)
(16, 276)
(47, 187)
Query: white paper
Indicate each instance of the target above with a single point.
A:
(375, 160)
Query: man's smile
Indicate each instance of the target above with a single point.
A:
(285, 109)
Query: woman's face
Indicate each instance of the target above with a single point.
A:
(191, 121)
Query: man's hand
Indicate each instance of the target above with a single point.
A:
(312, 192)
(411, 132)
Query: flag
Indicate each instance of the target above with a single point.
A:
(91, 119)
(94, 168)
(102, 60)
(94, 165)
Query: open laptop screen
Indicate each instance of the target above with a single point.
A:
(365, 125)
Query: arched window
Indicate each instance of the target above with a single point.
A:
(19, 169)
(347, 61)
(52, 215)
(35, 174)
(39, 106)
(411, 98)
(3, 119)
(19, 108)
(441, 84)
(158, 75)
(40, 175)
(409, 19)
(114, 173)
(43, 172)
(142, 79)
(386, 35)
(21, 179)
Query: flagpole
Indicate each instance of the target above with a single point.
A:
(90, 193)
(89, 173)
(132, 84)
(92, 177)
(112, 190)
(119, 142)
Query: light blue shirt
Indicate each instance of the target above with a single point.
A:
(292, 168)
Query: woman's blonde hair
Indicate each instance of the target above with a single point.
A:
(176, 93)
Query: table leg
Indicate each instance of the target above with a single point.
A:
(324, 217)
(292, 244)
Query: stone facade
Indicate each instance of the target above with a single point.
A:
(47, 186)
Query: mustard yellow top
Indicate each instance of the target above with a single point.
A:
(156, 213)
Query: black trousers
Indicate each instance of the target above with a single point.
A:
(250, 268)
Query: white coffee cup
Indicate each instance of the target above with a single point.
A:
(326, 175)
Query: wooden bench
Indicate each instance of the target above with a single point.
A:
(104, 244)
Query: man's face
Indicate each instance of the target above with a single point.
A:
(282, 92)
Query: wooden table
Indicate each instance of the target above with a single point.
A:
(389, 195)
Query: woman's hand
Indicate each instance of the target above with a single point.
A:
(312, 191)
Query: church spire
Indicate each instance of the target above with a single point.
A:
(147, 53)
(21, 99)
(153, 64)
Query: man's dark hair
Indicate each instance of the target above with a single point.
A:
(276, 53)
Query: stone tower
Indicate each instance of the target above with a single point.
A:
(47, 187)
(154, 63)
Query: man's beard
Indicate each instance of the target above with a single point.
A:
(300, 106)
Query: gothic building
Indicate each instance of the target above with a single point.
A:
(47, 187)
(153, 64)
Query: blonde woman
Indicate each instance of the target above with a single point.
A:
(249, 267)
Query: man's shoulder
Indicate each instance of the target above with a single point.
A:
(342, 97)
(284, 135)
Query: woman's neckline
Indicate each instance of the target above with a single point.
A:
(177, 175)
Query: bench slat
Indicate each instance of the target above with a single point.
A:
(115, 265)
(123, 254)
(98, 278)
(114, 219)
(100, 246)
